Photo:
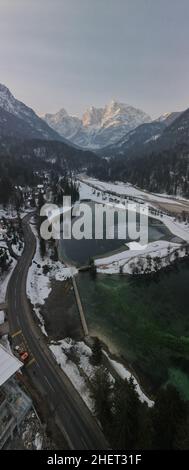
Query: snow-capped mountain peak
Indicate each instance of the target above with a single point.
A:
(169, 117)
(61, 114)
(98, 127)
(7, 101)
(164, 116)
(10, 104)
(92, 117)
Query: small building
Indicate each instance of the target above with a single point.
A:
(14, 403)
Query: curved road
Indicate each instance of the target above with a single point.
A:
(80, 429)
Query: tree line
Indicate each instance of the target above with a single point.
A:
(129, 423)
(167, 171)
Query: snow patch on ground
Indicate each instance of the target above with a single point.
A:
(4, 280)
(179, 229)
(5, 343)
(125, 259)
(71, 369)
(126, 374)
(18, 248)
(38, 442)
(2, 317)
(125, 190)
(40, 274)
(128, 190)
(66, 351)
(10, 213)
(121, 261)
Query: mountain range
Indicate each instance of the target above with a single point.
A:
(117, 130)
(126, 144)
(98, 127)
(155, 156)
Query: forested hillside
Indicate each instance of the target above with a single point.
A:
(167, 171)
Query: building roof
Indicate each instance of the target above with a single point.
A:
(9, 364)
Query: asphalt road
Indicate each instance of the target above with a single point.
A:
(80, 429)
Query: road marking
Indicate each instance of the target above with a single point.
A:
(31, 362)
(19, 332)
(48, 383)
(66, 289)
(18, 321)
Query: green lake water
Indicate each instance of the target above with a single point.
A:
(147, 323)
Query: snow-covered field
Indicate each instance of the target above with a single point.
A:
(127, 189)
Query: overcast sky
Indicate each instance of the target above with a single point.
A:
(77, 53)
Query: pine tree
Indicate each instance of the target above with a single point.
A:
(41, 200)
(96, 357)
(145, 428)
(126, 415)
(102, 396)
(168, 415)
(42, 245)
(181, 439)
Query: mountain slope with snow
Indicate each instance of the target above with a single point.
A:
(98, 127)
(168, 118)
(12, 127)
(143, 138)
(14, 115)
